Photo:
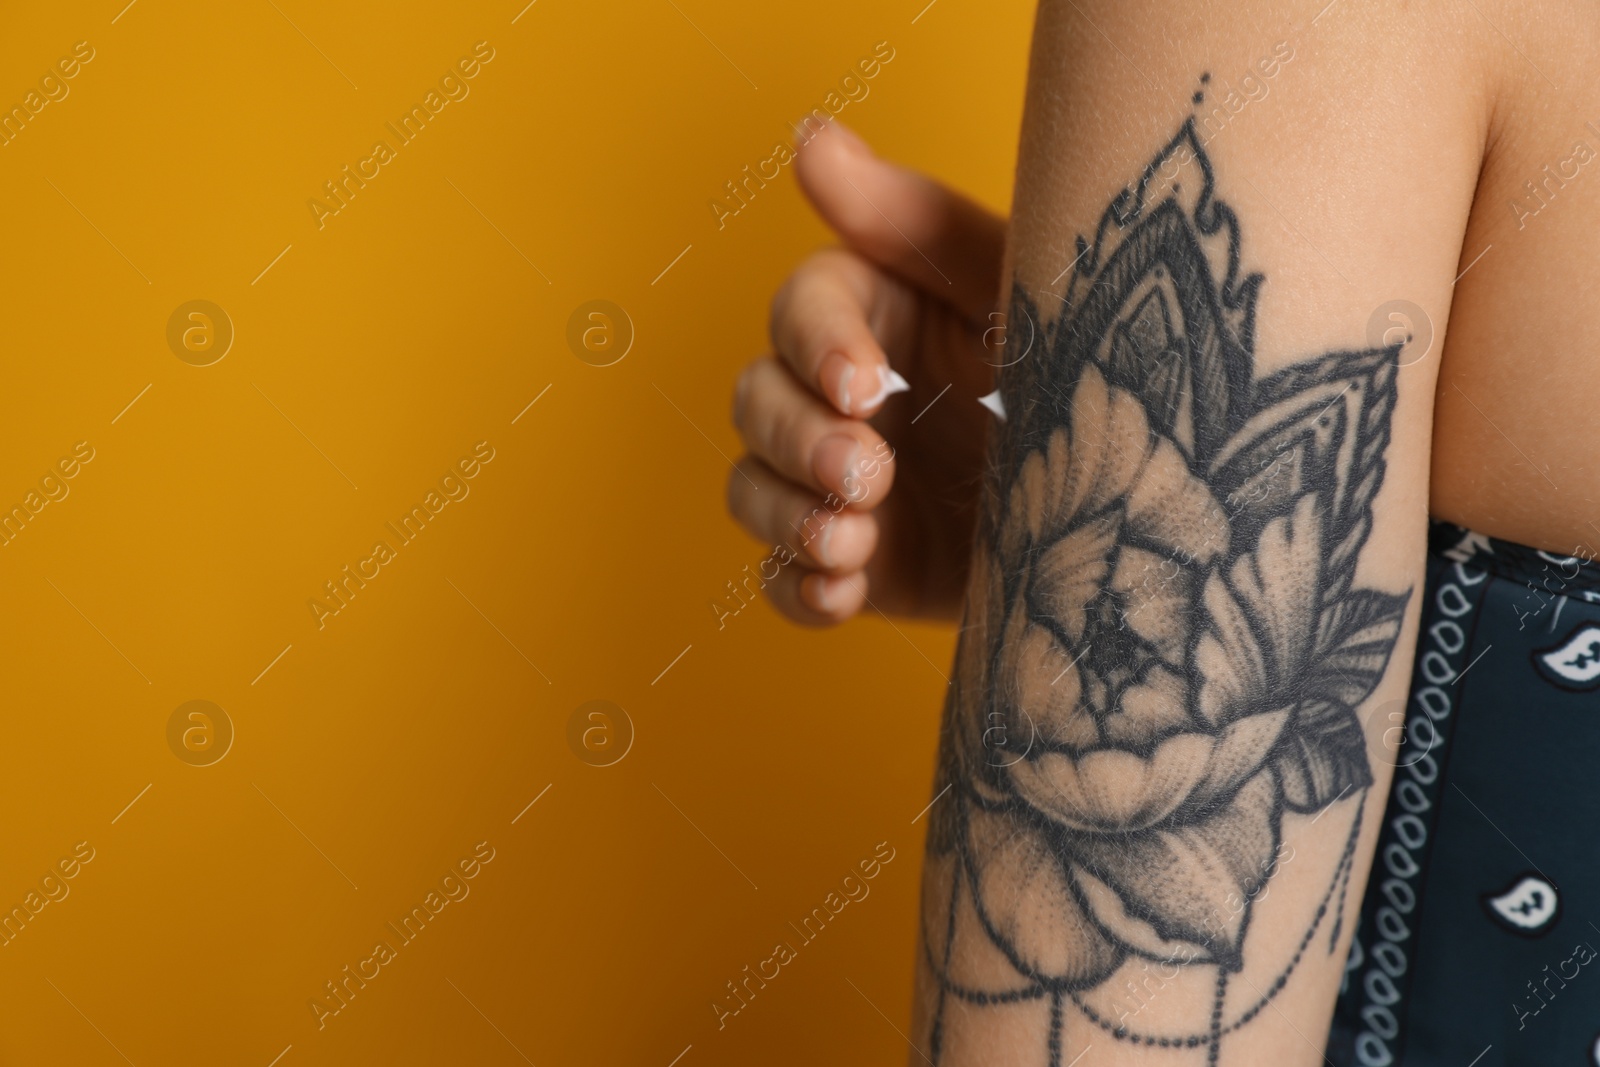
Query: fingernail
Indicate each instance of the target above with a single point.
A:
(834, 375)
(844, 537)
(850, 139)
(834, 462)
(889, 383)
(820, 549)
(807, 128)
(825, 594)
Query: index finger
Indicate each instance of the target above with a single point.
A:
(823, 327)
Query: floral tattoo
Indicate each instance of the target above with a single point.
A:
(1165, 647)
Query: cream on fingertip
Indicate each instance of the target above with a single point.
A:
(890, 382)
(995, 403)
(827, 595)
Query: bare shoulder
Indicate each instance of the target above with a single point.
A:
(1425, 167)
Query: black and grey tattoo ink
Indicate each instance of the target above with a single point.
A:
(1165, 646)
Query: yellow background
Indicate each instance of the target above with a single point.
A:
(377, 751)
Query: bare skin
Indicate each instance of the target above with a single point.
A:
(1382, 160)
(869, 305)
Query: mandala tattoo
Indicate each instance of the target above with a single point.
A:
(1165, 646)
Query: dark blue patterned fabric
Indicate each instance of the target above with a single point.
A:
(1479, 936)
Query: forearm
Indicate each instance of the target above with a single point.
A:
(1192, 595)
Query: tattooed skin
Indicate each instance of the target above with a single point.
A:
(1165, 646)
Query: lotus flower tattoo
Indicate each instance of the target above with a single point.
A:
(1165, 646)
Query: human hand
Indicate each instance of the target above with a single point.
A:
(903, 306)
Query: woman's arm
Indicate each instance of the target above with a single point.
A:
(1199, 551)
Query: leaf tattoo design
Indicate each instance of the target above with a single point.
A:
(1165, 645)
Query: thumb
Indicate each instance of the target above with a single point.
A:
(902, 220)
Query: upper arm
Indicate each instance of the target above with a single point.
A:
(1200, 554)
